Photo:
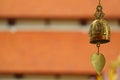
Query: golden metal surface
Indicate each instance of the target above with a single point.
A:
(99, 32)
(99, 14)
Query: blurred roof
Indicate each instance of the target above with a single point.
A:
(65, 9)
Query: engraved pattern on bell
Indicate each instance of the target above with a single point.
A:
(99, 32)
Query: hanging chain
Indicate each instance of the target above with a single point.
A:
(98, 46)
(99, 2)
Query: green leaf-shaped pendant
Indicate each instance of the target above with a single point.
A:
(98, 62)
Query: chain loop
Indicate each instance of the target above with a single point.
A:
(99, 1)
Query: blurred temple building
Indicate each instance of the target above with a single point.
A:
(49, 40)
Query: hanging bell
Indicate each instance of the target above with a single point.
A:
(99, 30)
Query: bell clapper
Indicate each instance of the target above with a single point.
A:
(98, 46)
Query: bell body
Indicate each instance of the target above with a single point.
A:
(99, 32)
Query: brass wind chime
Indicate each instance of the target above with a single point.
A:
(99, 34)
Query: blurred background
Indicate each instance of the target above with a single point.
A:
(49, 40)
